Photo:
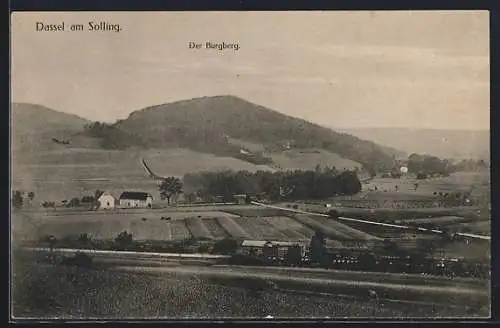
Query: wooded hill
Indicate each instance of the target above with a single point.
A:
(208, 124)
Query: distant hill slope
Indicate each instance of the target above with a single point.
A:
(36, 118)
(208, 123)
(34, 126)
(68, 172)
(442, 143)
(225, 126)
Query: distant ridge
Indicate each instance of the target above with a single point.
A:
(443, 143)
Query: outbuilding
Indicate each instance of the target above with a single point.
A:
(240, 199)
(107, 201)
(136, 199)
(273, 249)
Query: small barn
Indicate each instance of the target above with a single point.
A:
(136, 199)
(107, 201)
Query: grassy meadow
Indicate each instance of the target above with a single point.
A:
(63, 173)
(48, 291)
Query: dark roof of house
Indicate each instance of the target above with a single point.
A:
(136, 195)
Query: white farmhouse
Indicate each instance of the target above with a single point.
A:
(136, 199)
(107, 201)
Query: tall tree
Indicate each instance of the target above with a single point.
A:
(317, 247)
(318, 169)
(349, 182)
(170, 187)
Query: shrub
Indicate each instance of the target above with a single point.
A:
(80, 259)
(421, 176)
(203, 248)
(83, 239)
(226, 246)
(334, 214)
(124, 238)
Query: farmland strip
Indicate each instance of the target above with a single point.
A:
(259, 228)
(179, 230)
(215, 228)
(443, 220)
(233, 228)
(286, 226)
(255, 212)
(197, 228)
(269, 229)
(345, 229)
(317, 226)
(150, 230)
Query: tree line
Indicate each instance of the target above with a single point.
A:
(425, 165)
(111, 137)
(289, 185)
(18, 198)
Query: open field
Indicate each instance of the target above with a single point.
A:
(439, 221)
(254, 222)
(146, 225)
(290, 228)
(181, 225)
(460, 181)
(395, 213)
(260, 229)
(62, 173)
(345, 229)
(216, 264)
(405, 197)
(255, 211)
(335, 231)
(173, 212)
(403, 289)
(440, 217)
(68, 172)
(179, 230)
(45, 291)
(377, 214)
(308, 159)
(480, 251)
(478, 227)
(215, 229)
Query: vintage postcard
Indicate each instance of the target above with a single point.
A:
(217, 165)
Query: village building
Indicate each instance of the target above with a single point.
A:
(136, 199)
(87, 201)
(276, 250)
(240, 199)
(107, 201)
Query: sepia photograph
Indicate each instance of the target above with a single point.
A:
(250, 165)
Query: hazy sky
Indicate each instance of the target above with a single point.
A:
(341, 69)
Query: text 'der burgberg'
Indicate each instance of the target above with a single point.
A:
(214, 45)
